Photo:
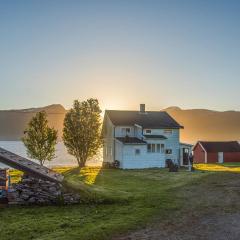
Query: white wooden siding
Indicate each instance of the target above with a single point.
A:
(143, 160)
(172, 142)
(125, 154)
(119, 152)
(119, 133)
(108, 140)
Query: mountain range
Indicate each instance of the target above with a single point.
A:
(199, 124)
(14, 122)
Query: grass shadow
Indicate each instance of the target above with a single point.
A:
(85, 181)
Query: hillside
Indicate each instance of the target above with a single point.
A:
(13, 122)
(202, 124)
(199, 124)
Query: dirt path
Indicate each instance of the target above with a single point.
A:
(210, 211)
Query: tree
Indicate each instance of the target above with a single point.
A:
(82, 130)
(39, 139)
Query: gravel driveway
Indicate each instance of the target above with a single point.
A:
(210, 211)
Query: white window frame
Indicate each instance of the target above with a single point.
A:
(155, 148)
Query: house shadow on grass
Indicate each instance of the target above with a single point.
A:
(89, 182)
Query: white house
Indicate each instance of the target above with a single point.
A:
(140, 139)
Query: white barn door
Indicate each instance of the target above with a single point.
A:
(220, 157)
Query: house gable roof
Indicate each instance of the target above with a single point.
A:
(232, 146)
(149, 119)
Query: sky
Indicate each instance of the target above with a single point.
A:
(161, 53)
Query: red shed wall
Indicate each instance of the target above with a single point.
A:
(198, 154)
(231, 157)
(212, 157)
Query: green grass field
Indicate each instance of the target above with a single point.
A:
(123, 200)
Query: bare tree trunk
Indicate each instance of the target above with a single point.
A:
(81, 162)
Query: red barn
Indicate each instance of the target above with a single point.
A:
(216, 152)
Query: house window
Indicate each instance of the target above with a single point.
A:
(162, 148)
(149, 148)
(126, 131)
(137, 151)
(148, 131)
(168, 151)
(153, 148)
(158, 148)
(168, 131)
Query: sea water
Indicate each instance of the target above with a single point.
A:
(62, 157)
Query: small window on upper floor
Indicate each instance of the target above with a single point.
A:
(148, 131)
(126, 131)
(168, 131)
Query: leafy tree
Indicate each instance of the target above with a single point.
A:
(39, 139)
(82, 130)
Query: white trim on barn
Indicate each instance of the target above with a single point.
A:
(205, 152)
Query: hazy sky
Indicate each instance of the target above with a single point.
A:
(162, 53)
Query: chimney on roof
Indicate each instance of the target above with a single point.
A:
(142, 108)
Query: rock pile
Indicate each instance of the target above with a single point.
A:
(3, 178)
(32, 190)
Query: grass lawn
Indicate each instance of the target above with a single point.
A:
(127, 200)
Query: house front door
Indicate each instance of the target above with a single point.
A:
(220, 157)
(185, 153)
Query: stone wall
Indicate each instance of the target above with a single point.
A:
(32, 190)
